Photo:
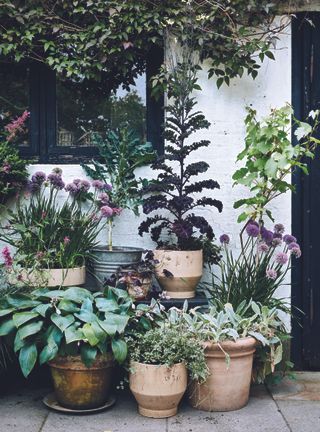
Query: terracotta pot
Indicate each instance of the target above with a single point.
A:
(79, 387)
(139, 292)
(227, 388)
(186, 267)
(54, 277)
(158, 389)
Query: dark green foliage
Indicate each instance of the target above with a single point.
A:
(172, 191)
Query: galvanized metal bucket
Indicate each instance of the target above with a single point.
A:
(105, 262)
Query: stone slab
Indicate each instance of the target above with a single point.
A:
(305, 387)
(302, 416)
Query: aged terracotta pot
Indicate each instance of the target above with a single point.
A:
(79, 387)
(55, 277)
(186, 267)
(227, 388)
(139, 292)
(158, 389)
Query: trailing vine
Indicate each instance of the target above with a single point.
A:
(107, 42)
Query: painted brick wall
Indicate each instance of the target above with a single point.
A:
(225, 109)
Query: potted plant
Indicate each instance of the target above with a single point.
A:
(160, 361)
(80, 336)
(230, 339)
(137, 278)
(51, 241)
(173, 192)
(121, 153)
(13, 169)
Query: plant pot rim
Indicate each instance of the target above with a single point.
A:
(178, 250)
(116, 249)
(75, 362)
(243, 343)
(134, 362)
(55, 268)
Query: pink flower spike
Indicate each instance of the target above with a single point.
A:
(8, 261)
(66, 240)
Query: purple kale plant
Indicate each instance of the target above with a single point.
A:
(171, 200)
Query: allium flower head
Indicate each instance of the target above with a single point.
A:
(276, 241)
(288, 238)
(271, 274)
(224, 239)
(103, 198)
(39, 177)
(293, 245)
(106, 211)
(296, 251)
(266, 235)
(279, 228)
(57, 170)
(56, 181)
(263, 247)
(84, 186)
(100, 185)
(281, 258)
(252, 230)
(72, 188)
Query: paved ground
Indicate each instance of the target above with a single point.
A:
(290, 407)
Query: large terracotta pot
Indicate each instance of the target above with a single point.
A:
(158, 389)
(54, 277)
(186, 267)
(79, 387)
(226, 388)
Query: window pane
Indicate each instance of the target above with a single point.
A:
(80, 116)
(14, 95)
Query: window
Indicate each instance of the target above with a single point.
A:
(64, 116)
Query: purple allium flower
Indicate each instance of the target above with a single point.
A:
(288, 238)
(281, 258)
(279, 228)
(293, 245)
(76, 181)
(296, 251)
(72, 188)
(252, 230)
(266, 235)
(103, 198)
(106, 211)
(56, 181)
(253, 222)
(57, 170)
(263, 247)
(100, 185)
(8, 261)
(33, 187)
(271, 274)
(224, 239)
(117, 211)
(276, 242)
(277, 235)
(38, 177)
(84, 186)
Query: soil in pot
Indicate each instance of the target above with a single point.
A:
(186, 268)
(107, 262)
(158, 389)
(227, 388)
(79, 387)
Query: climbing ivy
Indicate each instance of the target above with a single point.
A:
(107, 42)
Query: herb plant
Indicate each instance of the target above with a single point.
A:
(13, 169)
(173, 192)
(121, 153)
(45, 324)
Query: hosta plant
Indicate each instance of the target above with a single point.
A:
(45, 324)
(174, 196)
(121, 153)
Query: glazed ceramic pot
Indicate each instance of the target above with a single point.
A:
(186, 268)
(107, 262)
(227, 387)
(54, 277)
(157, 389)
(79, 387)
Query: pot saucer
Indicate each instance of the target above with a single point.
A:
(51, 402)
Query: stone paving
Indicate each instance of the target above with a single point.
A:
(294, 406)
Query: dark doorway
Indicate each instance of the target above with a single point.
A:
(306, 201)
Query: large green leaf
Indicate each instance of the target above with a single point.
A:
(87, 305)
(42, 309)
(54, 334)
(30, 329)
(21, 301)
(86, 316)
(90, 335)
(120, 321)
(18, 342)
(48, 353)
(62, 322)
(21, 318)
(27, 358)
(110, 329)
(78, 295)
(73, 334)
(107, 305)
(5, 312)
(7, 327)
(68, 306)
(119, 349)
(88, 354)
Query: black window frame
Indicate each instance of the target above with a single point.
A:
(43, 122)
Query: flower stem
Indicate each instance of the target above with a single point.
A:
(110, 234)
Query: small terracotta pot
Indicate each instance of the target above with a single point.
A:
(186, 267)
(226, 388)
(158, 389)
(79, 387)
(139, 292)
(54, 277)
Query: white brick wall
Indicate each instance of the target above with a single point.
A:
(225, 109)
